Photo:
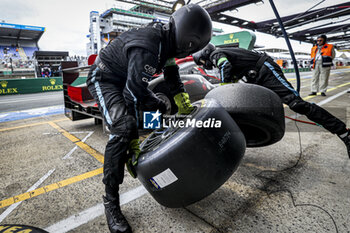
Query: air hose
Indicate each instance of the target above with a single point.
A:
(288, 43)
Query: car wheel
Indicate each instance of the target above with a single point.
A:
(257, 110)
(179, 166)
(162, 91)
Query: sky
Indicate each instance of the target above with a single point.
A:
(67, 21)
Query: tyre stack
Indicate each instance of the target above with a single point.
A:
(180, 166)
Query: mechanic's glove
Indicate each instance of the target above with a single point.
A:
(131, 168)
(233, 80)
(134, 153)
(152, 103)
(134, 149)
(182, 100)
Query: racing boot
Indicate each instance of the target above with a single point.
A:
(346, 139)
(115, 219)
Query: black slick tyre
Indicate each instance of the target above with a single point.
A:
(257, 110)
(180, 166)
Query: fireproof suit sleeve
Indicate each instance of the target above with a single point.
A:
(141, 67)
(225, 67)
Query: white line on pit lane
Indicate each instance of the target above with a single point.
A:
(42, 179)
(67, 156)
(12, 207)
(87, 215)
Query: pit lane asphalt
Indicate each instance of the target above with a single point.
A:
(29, 101)
(47, 156)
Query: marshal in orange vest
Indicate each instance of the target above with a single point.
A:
(326, 52)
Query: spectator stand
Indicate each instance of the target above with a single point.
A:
(17, 46)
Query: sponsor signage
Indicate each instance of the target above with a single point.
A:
(244, 39)
(24, 86)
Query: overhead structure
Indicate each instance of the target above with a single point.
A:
(331, 20)
(322, 16)
(19, 33)
(19, 41)
(151, 6)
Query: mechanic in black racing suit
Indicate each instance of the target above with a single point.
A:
(258, 68)
(118, 81)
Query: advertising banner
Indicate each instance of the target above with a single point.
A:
(24, 86)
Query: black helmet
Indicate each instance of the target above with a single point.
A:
(202, 57)
(192, 27)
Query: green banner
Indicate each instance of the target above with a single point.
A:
(244, 39)
(291, 70)
(25, 86)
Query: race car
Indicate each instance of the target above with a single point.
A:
(79, 104)
(260, 119)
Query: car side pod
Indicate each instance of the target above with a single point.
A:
(179, 166)
(258, 111)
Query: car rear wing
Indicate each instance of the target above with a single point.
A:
(71, 71)
(78, 102)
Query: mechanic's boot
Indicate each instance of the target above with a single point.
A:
(115, 219)
(346, 139)
(312, 93)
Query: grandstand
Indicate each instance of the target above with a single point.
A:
(19, 41)
(17, 46)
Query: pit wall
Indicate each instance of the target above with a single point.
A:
(25, 86)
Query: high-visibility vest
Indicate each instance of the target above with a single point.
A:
(326, 52)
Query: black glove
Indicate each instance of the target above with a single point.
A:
(153, 103)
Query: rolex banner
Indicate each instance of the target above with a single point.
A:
(24, 86)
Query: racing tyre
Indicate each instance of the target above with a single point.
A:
(257, 110)
(162, 91)
(195, 85)
(180, 166)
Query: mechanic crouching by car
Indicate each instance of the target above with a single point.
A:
(258, 68)
(118, 81)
